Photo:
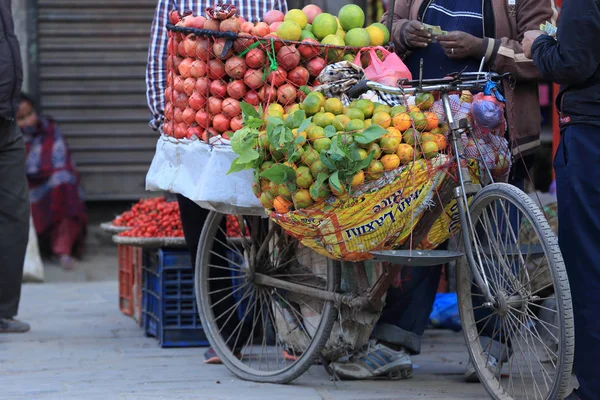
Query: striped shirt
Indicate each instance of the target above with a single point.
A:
(156, 69)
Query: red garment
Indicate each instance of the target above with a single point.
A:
(64, 236)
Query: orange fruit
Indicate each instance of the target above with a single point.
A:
(414, 109)
(402, 122)
(282, 205)
(432, 121)
(302, 199)
(420, 120)
(424, 101)
(390, 162)
(427, 137)
(430, 149)
(389, 144)
(335, 192)
(440, 140)
(382, 119)
(375, 170)
(405, 153)
(358, 179)
(393, 132)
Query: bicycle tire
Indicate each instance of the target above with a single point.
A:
(308, 357)
(493, 382)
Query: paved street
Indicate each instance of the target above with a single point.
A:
(82, 347)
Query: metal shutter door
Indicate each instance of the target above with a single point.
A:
(92, 58)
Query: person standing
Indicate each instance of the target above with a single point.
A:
(573, 61)
(491, 30)
(192, 215)
(14, 196)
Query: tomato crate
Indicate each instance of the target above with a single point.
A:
(129, 258)
(169, 310)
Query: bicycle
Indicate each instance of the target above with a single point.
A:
(280, 287)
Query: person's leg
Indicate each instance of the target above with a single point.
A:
(577, 177)
(14, 220)
(193, 218)
(64, 235)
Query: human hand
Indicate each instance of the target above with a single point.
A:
(414, 35)
(458, 45)
(528, 40)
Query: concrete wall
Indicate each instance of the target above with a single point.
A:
(19, 9)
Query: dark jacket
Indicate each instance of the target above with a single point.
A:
(573, 61)
(11, 71)
(504, 24)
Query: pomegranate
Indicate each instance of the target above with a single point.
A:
(243, 43)
(277, 77)
(267, 93)
(309, 50)
(184, 68)
(218, 89)
(261, 29)
(194, 132)
(256, 58)
(188, 116)
(169, 111)
(221, 123)
(237, 123)
(178, 83)
(181, 49)
(236, 89)
(170, 80)
(277, 42)
(212, 24)
(286, 94)
(311, 11)
(171, 46)
(230, 25)
(246, 27)
(227, 135)
(235, 67)
(189, 85)
(210, 133)
(177, 62)
(197, 101)
(180, 131)
(315, 66)
(202, 85)
(202, 49)
(219, 47)
(196, 22)
(300, 95)
(198, 69)
(189, 45)
(168, 128)
(231, 107)
(181, 101)
(252, 98)
(169, 94)
(170, 64)
(202, 118)
(177, 115)
(174, 17)
(253, 78)
(288, 57)
(216, 69)
(298, 76)
(214, 105)
(273, 16)
(273, 27)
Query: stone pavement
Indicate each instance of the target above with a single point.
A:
(82, 347)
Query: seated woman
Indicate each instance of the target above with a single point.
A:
(57, 205)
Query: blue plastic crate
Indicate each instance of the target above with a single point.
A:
(168, 299)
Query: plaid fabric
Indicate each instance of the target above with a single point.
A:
(156, 75)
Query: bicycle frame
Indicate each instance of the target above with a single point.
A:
(371, 301)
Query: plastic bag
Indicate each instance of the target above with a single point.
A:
(445, 312)
(487, 112)
(386, 72)
(33, 270)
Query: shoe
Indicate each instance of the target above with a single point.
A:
(471, 374)
(11, 325)
(67, 263)
(375, 361)
(211, 357)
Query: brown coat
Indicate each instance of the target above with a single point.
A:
(503, 53)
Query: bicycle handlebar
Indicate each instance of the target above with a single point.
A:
(455, 82)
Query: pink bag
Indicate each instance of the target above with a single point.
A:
(386, 72)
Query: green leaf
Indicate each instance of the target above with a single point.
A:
(248, 111)
(370, 134)
(326, 161)
(304, 89)
(304, 124)
(275, 120)
(330, 131)
(300, 140)
(335, 148)
(279, 174)
(254, 123)
(334, 180)
(243, 140)
(353, 152)
(366, 162)
(298, 118)
(248, 156)
(236, 166)
(314, 189)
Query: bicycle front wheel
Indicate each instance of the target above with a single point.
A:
(522, 342)
(262, 333)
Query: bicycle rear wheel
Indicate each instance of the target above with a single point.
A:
(517, 253)
(261, 333)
